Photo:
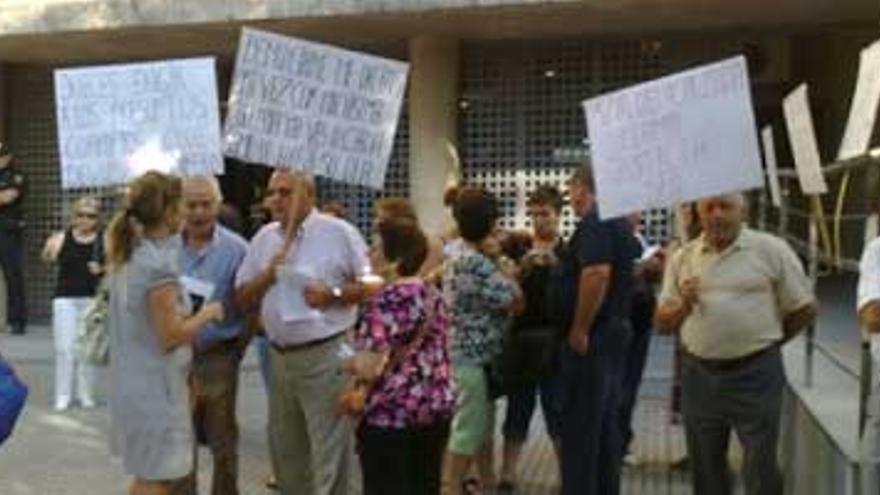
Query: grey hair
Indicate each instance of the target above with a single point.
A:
(210, 180)
(300, 176)
(737, 197)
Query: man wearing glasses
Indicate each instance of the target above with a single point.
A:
(12, 189)
(302, 272)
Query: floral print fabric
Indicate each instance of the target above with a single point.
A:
(418, 390)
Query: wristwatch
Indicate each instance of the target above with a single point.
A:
(337, 293)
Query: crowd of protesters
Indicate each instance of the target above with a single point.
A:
(395, 352)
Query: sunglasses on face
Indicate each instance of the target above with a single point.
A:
(86, 214)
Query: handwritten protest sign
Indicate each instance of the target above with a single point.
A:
(770, 165)
(314, 107)
(674, 139)
(118, 121)
(802, 138)
(863, 109)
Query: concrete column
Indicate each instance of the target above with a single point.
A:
(433, 112)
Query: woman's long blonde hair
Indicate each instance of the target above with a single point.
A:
(144, 207)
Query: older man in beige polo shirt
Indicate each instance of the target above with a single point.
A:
(735, 295)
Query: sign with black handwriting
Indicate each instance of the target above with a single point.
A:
(674, 139)
(116, 122)
(313, 107)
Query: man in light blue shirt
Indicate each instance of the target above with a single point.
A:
(209, 259)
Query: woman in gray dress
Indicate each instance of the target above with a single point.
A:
(150, 337)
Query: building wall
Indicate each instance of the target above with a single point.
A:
(519, 120)
(25, 16)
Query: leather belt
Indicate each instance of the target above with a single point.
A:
(730, 364)
(305, 345)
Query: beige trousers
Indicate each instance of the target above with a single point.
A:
(311, 444)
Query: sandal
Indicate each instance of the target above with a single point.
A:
(470, 486)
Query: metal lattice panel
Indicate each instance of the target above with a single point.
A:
(47, 207)
(521, 121)
(32, 139)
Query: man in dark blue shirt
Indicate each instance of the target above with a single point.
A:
(600, 257)
(12, 189)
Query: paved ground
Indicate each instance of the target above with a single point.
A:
(67, 454)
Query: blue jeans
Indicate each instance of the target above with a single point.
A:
(589, 403)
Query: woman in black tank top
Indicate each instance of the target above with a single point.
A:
(78, 252)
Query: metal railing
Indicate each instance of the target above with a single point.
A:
(821, 263)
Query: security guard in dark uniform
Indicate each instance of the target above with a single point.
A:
(12, 190)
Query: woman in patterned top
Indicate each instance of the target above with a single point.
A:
(482, 295)
(406, 418)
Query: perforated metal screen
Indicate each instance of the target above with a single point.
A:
(521, 121)
(32, 134)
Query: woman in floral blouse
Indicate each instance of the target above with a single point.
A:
(406, 418)
(482, 295)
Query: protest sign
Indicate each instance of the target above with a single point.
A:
(863, 108)
(802, 138)
(674, 139)
(314, 107)
(770, 165)
(117, 121)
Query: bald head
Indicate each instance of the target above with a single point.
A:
(202, 184)
(295, 178)
(201, 204)
(721, 218)
(290, 195)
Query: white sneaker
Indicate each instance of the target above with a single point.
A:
(88, 403)
(62, 405)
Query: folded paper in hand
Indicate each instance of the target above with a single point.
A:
(292, 281)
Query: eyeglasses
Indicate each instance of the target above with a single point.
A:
(86, 214)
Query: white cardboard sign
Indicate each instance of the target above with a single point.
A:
(674, 139)
(802, 138)
(770, 165)
(117, 121)
(863, 109)
(314, 107)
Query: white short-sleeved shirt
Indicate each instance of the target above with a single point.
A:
(327, 246)
(745, 294)
(869, 286)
